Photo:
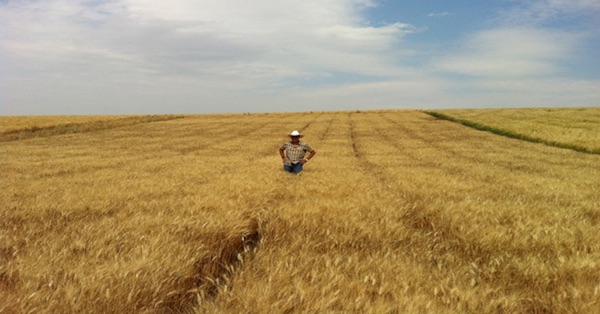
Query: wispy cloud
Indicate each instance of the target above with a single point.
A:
(438, 14)
(522, 59)
(511, 53)
(224, 46)
(519, 45)
(544, 12)
(134, 56)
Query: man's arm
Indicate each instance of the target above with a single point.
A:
(281, 153)
(310, 155)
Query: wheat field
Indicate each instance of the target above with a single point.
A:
(574, 126)
(14, 123)
(398, 212)
(13, 128)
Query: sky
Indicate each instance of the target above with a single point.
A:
(91, 57)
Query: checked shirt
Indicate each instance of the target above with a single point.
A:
(295, 153)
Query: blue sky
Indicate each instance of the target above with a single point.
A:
(221, 56)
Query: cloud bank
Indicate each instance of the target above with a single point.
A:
(134, 56)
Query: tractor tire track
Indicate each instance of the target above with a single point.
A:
(432, 232)
(325, 134)
(226, 263)
(357, 153)
(424, 233)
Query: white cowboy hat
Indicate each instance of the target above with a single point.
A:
(296, 133)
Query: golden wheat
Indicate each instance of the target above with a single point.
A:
(576, 126)
(13, 123)
(398, 212)
(20, 128)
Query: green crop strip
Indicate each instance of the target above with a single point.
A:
(511, 134)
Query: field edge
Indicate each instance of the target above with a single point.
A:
(73, 128)
(511, 134)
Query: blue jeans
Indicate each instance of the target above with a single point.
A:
(293, 168)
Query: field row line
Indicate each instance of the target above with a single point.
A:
(511, 134)
(429, 228)
(73, 128)
(446, 150)
(232, 255)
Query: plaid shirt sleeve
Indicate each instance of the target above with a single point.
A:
(307, 148)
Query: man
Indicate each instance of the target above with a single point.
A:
(292, 153)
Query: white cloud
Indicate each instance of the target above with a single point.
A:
(138, 56)
(424, 92)
(287, 37)
(223, 45)
(415, 92)
(511, 52)
(540, 92)
(522, 60)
